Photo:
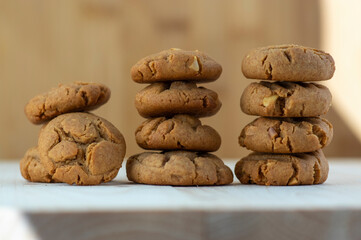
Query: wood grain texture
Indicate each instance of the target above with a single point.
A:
(44, 43)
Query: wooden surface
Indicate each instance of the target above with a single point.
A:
(44, 43)
(119, 208)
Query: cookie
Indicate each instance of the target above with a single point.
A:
(72, 97)
(168, 99)
(181, 132)
(288, 63)
(174, 65)
(178, 168)
(286, 99)
(32, 169)
(81, 148)
(286, 135)
(282, 169)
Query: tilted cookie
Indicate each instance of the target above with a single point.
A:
(72, 97)
(286, 99)
(177, 133)
(81, 148)
(168, 99)
(286, 135)
(288, 63)
(32, 169)
(282, 169)
(176, 64)
(178, 168)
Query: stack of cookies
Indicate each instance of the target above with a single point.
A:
(74, 147)
(173, 103)
(288, 137)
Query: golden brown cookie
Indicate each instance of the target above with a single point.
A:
(181, 132)
(81, 148)
(286, 135)
(282, 169)
(72, 97)
(178, 168)
(286, 99)
(168, 99)
(32, 169)
(176, 64)
(288, 63)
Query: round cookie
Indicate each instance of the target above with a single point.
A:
(178, 168)
(286, 135)
(286, 99)
(176, 64)
(32, 169)
(81, 148)
(181, 132)
(288, 63)
(72, 97)
(168, 99)
(282, 169)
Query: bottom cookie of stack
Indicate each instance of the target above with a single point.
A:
(283, 169)
(182, 168)
(75, 148)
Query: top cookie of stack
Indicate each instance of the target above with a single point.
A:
(66, 98)
(288, 63)
(176, 64)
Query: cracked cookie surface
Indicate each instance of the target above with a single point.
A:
(81, 148)
(181, 132)
(32, 169)
(176, 64)
(283, 169)
(286, 99)
(178, 168)
(168, 99)
(72, 97)
(288, 63)
(286, 135)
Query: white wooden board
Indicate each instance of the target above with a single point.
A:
(341, 190)
(120, 208)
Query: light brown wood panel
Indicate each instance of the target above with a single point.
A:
(43, 43)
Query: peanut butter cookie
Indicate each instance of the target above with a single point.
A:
(72, 97)
(81, 148)
(286, 99)
(32, 169)
(177, 133)
(286, 135)
(288, 63)
(168, 99)
(176, 64)
(178, 168)
(282, 169)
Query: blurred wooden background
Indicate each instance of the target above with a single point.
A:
(43, 43)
